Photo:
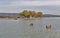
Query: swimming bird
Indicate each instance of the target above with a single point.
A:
(48, 26)
(31, 24)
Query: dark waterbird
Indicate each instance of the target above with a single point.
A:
(31, 24)
(48, 26)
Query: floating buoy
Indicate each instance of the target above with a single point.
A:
(48, 26)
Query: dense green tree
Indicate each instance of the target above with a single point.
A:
(39, 14)
(33, 13)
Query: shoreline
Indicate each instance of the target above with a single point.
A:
(16, 18)
(27, 18)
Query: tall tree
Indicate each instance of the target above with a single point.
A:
(33, 13)
(26, 13)
(39, 14)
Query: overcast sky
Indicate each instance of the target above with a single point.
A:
(16, 6)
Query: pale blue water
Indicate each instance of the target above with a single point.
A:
(22, 29)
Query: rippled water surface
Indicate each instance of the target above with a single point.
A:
(22, 29)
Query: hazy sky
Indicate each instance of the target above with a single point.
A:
(16, 6)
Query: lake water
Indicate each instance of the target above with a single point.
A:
(22, 29)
